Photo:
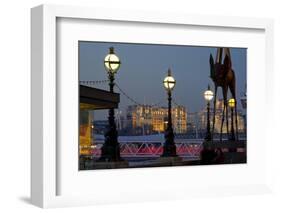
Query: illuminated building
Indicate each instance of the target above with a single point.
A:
(218, 119)
(148, 119)
(179, 119)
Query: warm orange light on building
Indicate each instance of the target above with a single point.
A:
(85, 138)
(155, 117)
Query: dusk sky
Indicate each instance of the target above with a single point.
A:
(144, 66)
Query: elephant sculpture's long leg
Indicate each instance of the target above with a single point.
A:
(226, 108)
(233, 92)
(214, 114)
(225, 105)
(236, 121)
(222, 121)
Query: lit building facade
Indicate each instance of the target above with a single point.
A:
(218, 119)
(148, 119)
(179, 119)
(85, 129)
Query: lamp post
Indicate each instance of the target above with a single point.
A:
(169, 149)
(110, 151)
(208, 95)
(231, 104)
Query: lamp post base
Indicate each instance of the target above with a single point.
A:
(110, 153)
(169, 148)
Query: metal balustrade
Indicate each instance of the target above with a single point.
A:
(190, 149)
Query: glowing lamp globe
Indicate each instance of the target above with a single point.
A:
(169, 82)
(112, 62)
(231, 103)
(208, 94)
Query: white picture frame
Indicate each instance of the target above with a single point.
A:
(45, 178)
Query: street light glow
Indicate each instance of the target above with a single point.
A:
(208, 94)
(231, 103)
(112, 61)
(169, 81)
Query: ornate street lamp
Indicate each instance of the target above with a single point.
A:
(208, 95)
(169, 149)
(111, 63)
(110, 150)
(231, 104)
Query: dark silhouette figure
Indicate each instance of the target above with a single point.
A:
(223, 76)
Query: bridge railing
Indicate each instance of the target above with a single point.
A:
(135, 149)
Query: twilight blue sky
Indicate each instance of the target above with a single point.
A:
(144, 67)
